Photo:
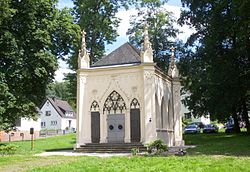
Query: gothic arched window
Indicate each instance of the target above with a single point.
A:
(134, 104)
(114, 103)
(94, 106)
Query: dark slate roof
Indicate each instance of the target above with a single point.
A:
(62, 107)
(125, 54)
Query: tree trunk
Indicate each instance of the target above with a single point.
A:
(245, 117)
(236, 121)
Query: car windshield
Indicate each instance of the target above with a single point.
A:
(209, 126)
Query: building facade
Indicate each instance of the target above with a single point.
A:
(126, 98)
(57, 115)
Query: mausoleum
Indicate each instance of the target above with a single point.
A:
(125, 97)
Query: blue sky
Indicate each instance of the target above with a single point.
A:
(172, 5)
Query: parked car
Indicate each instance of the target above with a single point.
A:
(229, 128)
(210, 128)
(191, 129)
(199, 124)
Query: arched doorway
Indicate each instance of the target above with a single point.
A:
(95, 122)
(115, 107)
(135, 125)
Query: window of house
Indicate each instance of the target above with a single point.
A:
(43, 124)
(53, 123)
(47, 103)
(69, 113)
(48, 113)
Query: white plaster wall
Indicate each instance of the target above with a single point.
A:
(99, 83)
(164, 97)
(27, 123)
(127, 83)
(140, 82)
(65, 123)
(53, 117)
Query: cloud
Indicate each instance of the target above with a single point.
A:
(60, 74)
(124, 26)
(62, 71)
(65, 3)
(186, 31)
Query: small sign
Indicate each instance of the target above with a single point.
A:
(31, 130)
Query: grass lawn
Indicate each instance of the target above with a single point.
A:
(219, 144)
(214, 152)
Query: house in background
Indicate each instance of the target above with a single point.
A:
(187, 115)
(22, 129)
(57, 116)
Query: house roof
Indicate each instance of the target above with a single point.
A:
(62, 107)
(125, 54)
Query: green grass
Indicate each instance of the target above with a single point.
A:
(154, 164)
(46, 144)
(24, 155)
(214, 152)
(219, 144)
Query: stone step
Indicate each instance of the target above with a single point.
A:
(110, 147)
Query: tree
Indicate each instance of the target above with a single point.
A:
(97, 18)
(33, 34)
(161, 30)
(60, 90)
(217, 72)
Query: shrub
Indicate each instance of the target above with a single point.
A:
(134, 151)
(7, 149)
(157, 147)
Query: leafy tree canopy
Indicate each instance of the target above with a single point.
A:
(33, 34)
(97, 18)
(161, 30)
(61, 90)
(217, 72)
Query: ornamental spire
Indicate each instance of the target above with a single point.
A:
(146, 43)
(172, 69)
(83, 46)
(147, 52)
(172, 57)
(83, 56)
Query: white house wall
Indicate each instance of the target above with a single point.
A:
(27, 123)
(53, 117)
(65, 123)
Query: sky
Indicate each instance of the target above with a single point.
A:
(172, 5)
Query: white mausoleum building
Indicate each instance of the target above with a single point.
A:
(125, 98)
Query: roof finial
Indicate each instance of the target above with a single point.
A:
(83, 57)
(172, 57)
(172, 69)
(146, 44)
(147, 52)
(83, 46)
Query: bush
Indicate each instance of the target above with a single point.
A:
(7, 149)
(157, 147)
(134, 151)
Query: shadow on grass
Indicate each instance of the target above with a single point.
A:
(59, 149)
(219, 144)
